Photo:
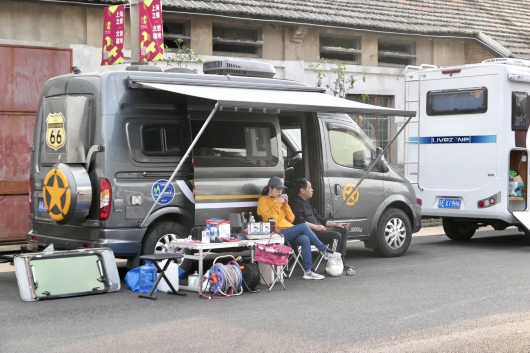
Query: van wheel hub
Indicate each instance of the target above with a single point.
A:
(162, 245)
(395, 233)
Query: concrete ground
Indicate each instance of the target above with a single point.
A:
(441, 296)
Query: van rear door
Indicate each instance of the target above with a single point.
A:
(458, 132)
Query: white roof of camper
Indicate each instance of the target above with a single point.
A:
(274, 99)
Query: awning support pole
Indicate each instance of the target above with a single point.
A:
(182, 161)
(374, 164)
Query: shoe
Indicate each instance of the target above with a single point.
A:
(312, 275)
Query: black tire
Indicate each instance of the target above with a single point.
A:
(458, 231)
(166, 230)
(398, 244)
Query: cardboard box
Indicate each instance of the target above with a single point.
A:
(218, 228)
(254, 228)
(265, 228)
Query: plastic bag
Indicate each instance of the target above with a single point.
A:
(335, 267)
(132, 278)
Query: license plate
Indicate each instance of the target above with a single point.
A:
(42, 208)
(449, 203)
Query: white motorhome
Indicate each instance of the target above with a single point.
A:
(468, 145)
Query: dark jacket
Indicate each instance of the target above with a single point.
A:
(304, 212)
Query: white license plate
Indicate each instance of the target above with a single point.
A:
(42, 208)
(449, 203)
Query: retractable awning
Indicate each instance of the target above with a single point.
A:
(259, 99)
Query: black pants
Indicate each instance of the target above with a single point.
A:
(331, 233)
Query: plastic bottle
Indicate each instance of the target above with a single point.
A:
(172, 273)
(147, 277)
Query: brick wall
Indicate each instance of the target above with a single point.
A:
(474, 53)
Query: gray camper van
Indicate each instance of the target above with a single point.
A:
(106, 144)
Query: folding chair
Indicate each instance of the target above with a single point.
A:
(274, 256)
(291, 264)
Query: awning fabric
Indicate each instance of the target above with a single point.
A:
(240, 98)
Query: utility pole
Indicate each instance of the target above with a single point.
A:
(135, 30)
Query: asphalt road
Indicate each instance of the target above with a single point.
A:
(441, 296)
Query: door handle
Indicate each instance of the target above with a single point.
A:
(337, 189)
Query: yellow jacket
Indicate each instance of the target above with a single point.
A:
(269, 207)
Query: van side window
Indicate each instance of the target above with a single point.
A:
(349, 149)
(162, 140)
(235, 144)
(519, 111)
(458, 101)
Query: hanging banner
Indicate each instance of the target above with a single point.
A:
(151, 32)
(113, 31)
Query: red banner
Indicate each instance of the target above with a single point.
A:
(113, 30)
(151, 32)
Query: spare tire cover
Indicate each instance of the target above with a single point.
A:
(67, 194)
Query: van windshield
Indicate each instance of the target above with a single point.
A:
(296, 136)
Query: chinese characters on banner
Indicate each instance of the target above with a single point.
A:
(151, 37)
(113, 30)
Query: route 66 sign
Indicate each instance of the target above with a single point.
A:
(55, 133)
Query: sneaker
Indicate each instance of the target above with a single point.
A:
(312, 275)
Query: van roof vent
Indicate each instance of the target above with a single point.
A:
(508, 61)
(239, 68)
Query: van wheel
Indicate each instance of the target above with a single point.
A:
(394, 233)
(157, 240)
(458, 230)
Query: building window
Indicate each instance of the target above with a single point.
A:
(396, 54)
(375, 126)
(162, 140)
(236, 41)
(235, 144)
(340, 48)
(176, 34)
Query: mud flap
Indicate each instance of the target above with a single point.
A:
(524, 218)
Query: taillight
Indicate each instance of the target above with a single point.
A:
(105, 195)
(490, 201)
(30, 195)
(419, 201)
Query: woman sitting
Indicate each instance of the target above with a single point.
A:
(273, 204)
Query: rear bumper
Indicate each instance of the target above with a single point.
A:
(123, 242)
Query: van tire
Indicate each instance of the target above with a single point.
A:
(157, 231)
(458, 231)
(393, 217)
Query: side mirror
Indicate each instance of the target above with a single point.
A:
(378, 152)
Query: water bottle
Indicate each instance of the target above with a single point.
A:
(147, 277)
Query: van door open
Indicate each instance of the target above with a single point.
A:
(348, 158)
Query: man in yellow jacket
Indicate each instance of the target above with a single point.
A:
(274, 204)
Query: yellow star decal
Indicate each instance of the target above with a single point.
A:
(53, 194)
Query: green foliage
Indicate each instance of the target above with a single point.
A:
(183, 54)
(343, 83)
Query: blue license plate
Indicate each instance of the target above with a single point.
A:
(42, 208)
(449, 203)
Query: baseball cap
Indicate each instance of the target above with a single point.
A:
(276, 183)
